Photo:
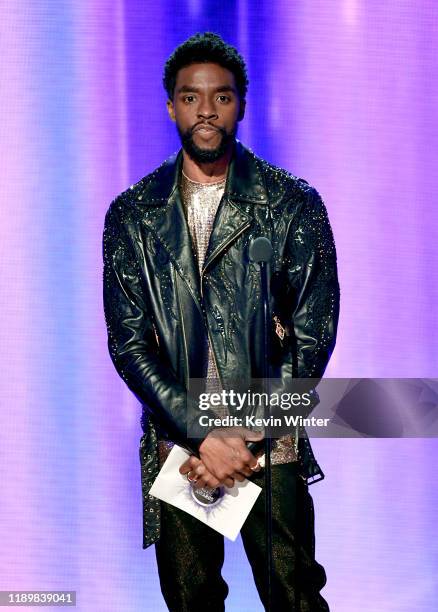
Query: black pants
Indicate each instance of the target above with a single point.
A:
(190, 554)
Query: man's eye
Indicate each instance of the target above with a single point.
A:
(224, 98)
(189, 98)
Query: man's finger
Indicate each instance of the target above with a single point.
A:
(229, 482)
(206, 482)
(189, 464)
(252, 436)
(255, 468)
(244, 459)
(246, 471)
(204, 478)
(185, 467)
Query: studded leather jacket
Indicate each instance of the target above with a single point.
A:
(158, 308)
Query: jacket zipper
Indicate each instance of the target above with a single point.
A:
(230, 239)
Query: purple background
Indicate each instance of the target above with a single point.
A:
(343, 94)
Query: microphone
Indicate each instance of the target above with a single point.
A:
(260, 250)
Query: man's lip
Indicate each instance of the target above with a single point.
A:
(206, 127)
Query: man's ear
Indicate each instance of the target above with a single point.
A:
(171, 110)
(242, 107)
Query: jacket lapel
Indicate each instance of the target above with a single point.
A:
(166, 219)
(244, 188)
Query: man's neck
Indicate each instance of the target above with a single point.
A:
(206, 173)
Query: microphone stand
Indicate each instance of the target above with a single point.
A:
(260, 252)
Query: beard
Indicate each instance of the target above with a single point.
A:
(205, 156)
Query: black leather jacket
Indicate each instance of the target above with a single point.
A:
(157, 309)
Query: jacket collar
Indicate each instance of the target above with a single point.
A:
(244, 180)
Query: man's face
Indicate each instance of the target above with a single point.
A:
(206, 108)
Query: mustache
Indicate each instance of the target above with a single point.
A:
(206, 124)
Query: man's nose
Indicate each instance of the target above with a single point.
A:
(207, 111)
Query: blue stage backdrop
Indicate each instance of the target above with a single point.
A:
(343, 94)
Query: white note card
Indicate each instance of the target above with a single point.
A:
(224, 509)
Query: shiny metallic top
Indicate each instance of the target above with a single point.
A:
(201, 202)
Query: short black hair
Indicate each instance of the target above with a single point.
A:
(203, 48)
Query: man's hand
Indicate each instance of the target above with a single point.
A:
(225, 456)
(228, 458)
(198, 473)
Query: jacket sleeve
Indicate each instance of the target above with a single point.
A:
(132, 343)
(311, 269)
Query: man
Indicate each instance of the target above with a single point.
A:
(182, 301)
